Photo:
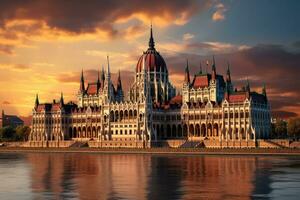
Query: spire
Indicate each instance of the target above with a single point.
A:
(98, 80)
(151, 40)
(248, 86)
(108, 67)
(119, 84)
(214, 73)
(200, 72)
(187, 73)
(102, 75)
(37, 100)
(61, 99)
(264, 91)
(228, 76)
(82, 82)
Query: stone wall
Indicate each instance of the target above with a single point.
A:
(118, 144)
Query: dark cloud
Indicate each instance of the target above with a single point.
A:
(272, 65)
(78, 16)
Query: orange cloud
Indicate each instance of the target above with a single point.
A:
(219, 14)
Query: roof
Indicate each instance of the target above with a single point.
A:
(153, 61)
(92, 89)
(13, 119)
(202, 80)
(237, 97)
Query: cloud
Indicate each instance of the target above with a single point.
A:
(187, 36)
(219, 14)
(6, 49)
(29, 20)
(5, 102)
(14, 67)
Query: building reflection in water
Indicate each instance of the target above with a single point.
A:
(120, 176)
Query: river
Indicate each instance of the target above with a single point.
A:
(140, 176)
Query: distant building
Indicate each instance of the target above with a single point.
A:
(208, 109)
(10, 120)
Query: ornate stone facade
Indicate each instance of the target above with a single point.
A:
(207, 109)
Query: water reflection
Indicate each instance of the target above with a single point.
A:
(121, 176)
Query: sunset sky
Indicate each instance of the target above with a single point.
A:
(44, 45)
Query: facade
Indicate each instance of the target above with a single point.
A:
(10, 120)
(208, 109)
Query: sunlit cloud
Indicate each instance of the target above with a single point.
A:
(219, 14)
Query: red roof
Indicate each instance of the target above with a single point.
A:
(92, 88)
(55, 107)
(240, 97)
(201, 81)
(153, 61)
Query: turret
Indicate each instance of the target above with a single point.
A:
(264, 91)
(61, 101)
(187, 74)
(200, 69)
(228, 76)
(37, 101)
(102, 76)
(82, 88)
(214, 73)
(119, 88)
(98, 82)
(248, 89)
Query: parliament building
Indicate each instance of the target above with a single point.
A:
(208, 110)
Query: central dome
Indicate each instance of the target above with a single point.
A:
(153, 60)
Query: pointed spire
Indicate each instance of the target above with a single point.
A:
(264, 91)
(214, 73)
(108, 67)
(228, 76)
(98, 81)
(61, 99)
(187, 73)
(151, 40)
(37, 100)
(82, 88)
(119, 84)
(248, 86)
(200, 72)
(102, 74)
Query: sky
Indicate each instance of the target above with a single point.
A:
(44, 45)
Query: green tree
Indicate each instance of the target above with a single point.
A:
(7, 133)
(22, 133)
(294, 127)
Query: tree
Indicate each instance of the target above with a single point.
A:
(294, 127)
(22, 133)
(279, 129)
(7, 133)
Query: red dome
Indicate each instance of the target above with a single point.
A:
(153, 62)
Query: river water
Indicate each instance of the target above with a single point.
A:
(138, 176)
